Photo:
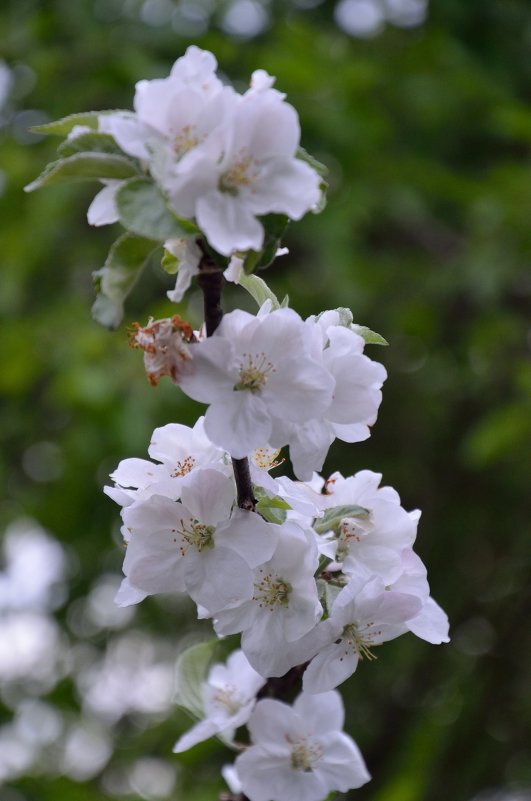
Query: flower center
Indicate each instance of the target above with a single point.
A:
(305, 755)
(228, 699)
(271, 590)
(186, 139)
(360, 641)
(349, 533)
(240, 173)
(197, 536)
(253, 372)
(266, 458)
(184, 467)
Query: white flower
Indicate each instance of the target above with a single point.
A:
(179, 450)
(431, 623)
(299, 753)
(229, 696)
(196, 545)
(282, 608)
(355, 401)
(176, 113)
(247, 170)
(255, 372)
(363, 616)
(378, 541)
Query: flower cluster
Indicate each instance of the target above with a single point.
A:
(223, 159)
(313, 575)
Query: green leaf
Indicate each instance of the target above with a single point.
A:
(63, 126)
(191, 671)
(89, 143)
(144, 211)
(272, 509)
(84, 167)
(259, 290)
(117, 277)
(333, 517)
(370, 337)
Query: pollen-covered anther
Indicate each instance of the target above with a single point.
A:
(305, 755)
(196, 535)
(186, 139)
(242, 172)
(360, 642)
(271, 591)
(253, 372)
(184, 467)
(266, 458)
(228, 698)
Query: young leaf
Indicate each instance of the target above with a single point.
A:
(370, 337)
(191, 672)
(143, 210)
(84, 167)
(89, 143)
(272, 509)
(63, 126)
(259, 290)
(117, 277)
(333, 517)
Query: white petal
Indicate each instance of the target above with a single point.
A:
(250, 536)
(228, 223)
(102, 210)
(208, 494)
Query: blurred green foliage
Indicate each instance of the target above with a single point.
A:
(427, 134)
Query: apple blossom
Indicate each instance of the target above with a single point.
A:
(255, 372)
(363, 616)
(196, 545)
(283, 606)
(229, 696)
(376, 542)
(299, 753)
(178, 450)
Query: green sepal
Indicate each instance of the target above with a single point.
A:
(333, 517)
(169, 263)
(63, 126)
(117, 277)
(85, 167)
(272, 509)
(144, 211)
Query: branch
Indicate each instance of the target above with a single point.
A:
(211, 283)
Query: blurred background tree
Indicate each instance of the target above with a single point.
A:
(422, 115)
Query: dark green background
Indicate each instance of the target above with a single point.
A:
(427, 238)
